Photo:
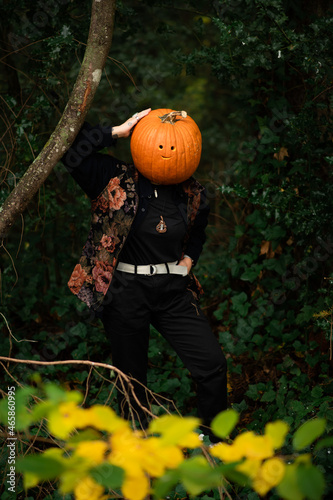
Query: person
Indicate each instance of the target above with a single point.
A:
(134, 275)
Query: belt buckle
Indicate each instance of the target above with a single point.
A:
(154, 268)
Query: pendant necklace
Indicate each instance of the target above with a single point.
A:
(161, 226)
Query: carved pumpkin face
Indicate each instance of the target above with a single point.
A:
(166, 146)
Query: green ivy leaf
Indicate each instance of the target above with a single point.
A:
(243, 329)
(289, 488)
(239, 299)
(239, 231)
(308, 432)
(257, 219)
(252, 392)
(4, 411)
(108, 475)
(163, 485)
(311, 481)
(228, 471)
(44, 467)
(23, 417)
(317, 392)
(170, 385)
(274, 233)
(251, 273)
(297, 407)
(324, 443)
(197, 475)
(224, 423)
(305, 315)
(220, 310)
(269, 396)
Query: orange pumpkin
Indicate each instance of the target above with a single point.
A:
(166, 146)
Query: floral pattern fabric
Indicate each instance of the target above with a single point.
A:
(112, 215)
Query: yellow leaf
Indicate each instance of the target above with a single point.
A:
(246, 445)
(172, 428)
(227, 453)
(152, 457)
(191, 440)
(261, 486)
(137, 454)
(67, 416)
(249, 467)
(126, 451)
(88, 489)
(135, 487)
(156, 457)
(252, 446)
(272, 471)
(104, 418)
(64, 418)
(277, 431)
(30, 480)
(94, 451)
(172, 456)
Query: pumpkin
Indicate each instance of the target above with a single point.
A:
(166, 146)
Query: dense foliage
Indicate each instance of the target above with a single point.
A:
(97, 455)
(257, 78)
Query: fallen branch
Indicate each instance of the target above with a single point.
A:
(122, 375)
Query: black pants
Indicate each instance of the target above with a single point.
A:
(164, 301)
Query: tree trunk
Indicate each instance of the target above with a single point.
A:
(98, 46)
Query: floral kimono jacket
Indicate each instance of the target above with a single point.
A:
(112, 215)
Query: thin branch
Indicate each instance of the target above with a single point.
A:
(24, 47)
(122, 375)
(5, 435)
(87, 385)
(21, 238)
(6, 103)
(16, 116)
(331, 336)
(323, 92)
(34, 438)
(120, 64)
(5, 249)
(17, 382)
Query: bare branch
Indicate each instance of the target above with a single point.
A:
(93, 364)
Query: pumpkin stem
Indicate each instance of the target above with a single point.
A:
(172, 117)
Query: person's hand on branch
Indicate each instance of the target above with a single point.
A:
(124, 130)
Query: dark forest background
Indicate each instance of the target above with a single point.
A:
(257, 77)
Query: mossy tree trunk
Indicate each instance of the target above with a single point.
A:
(98, 46)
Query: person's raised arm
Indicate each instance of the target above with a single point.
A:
(124, 130)
(90, 169)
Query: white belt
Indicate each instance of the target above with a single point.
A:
(152, 269)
